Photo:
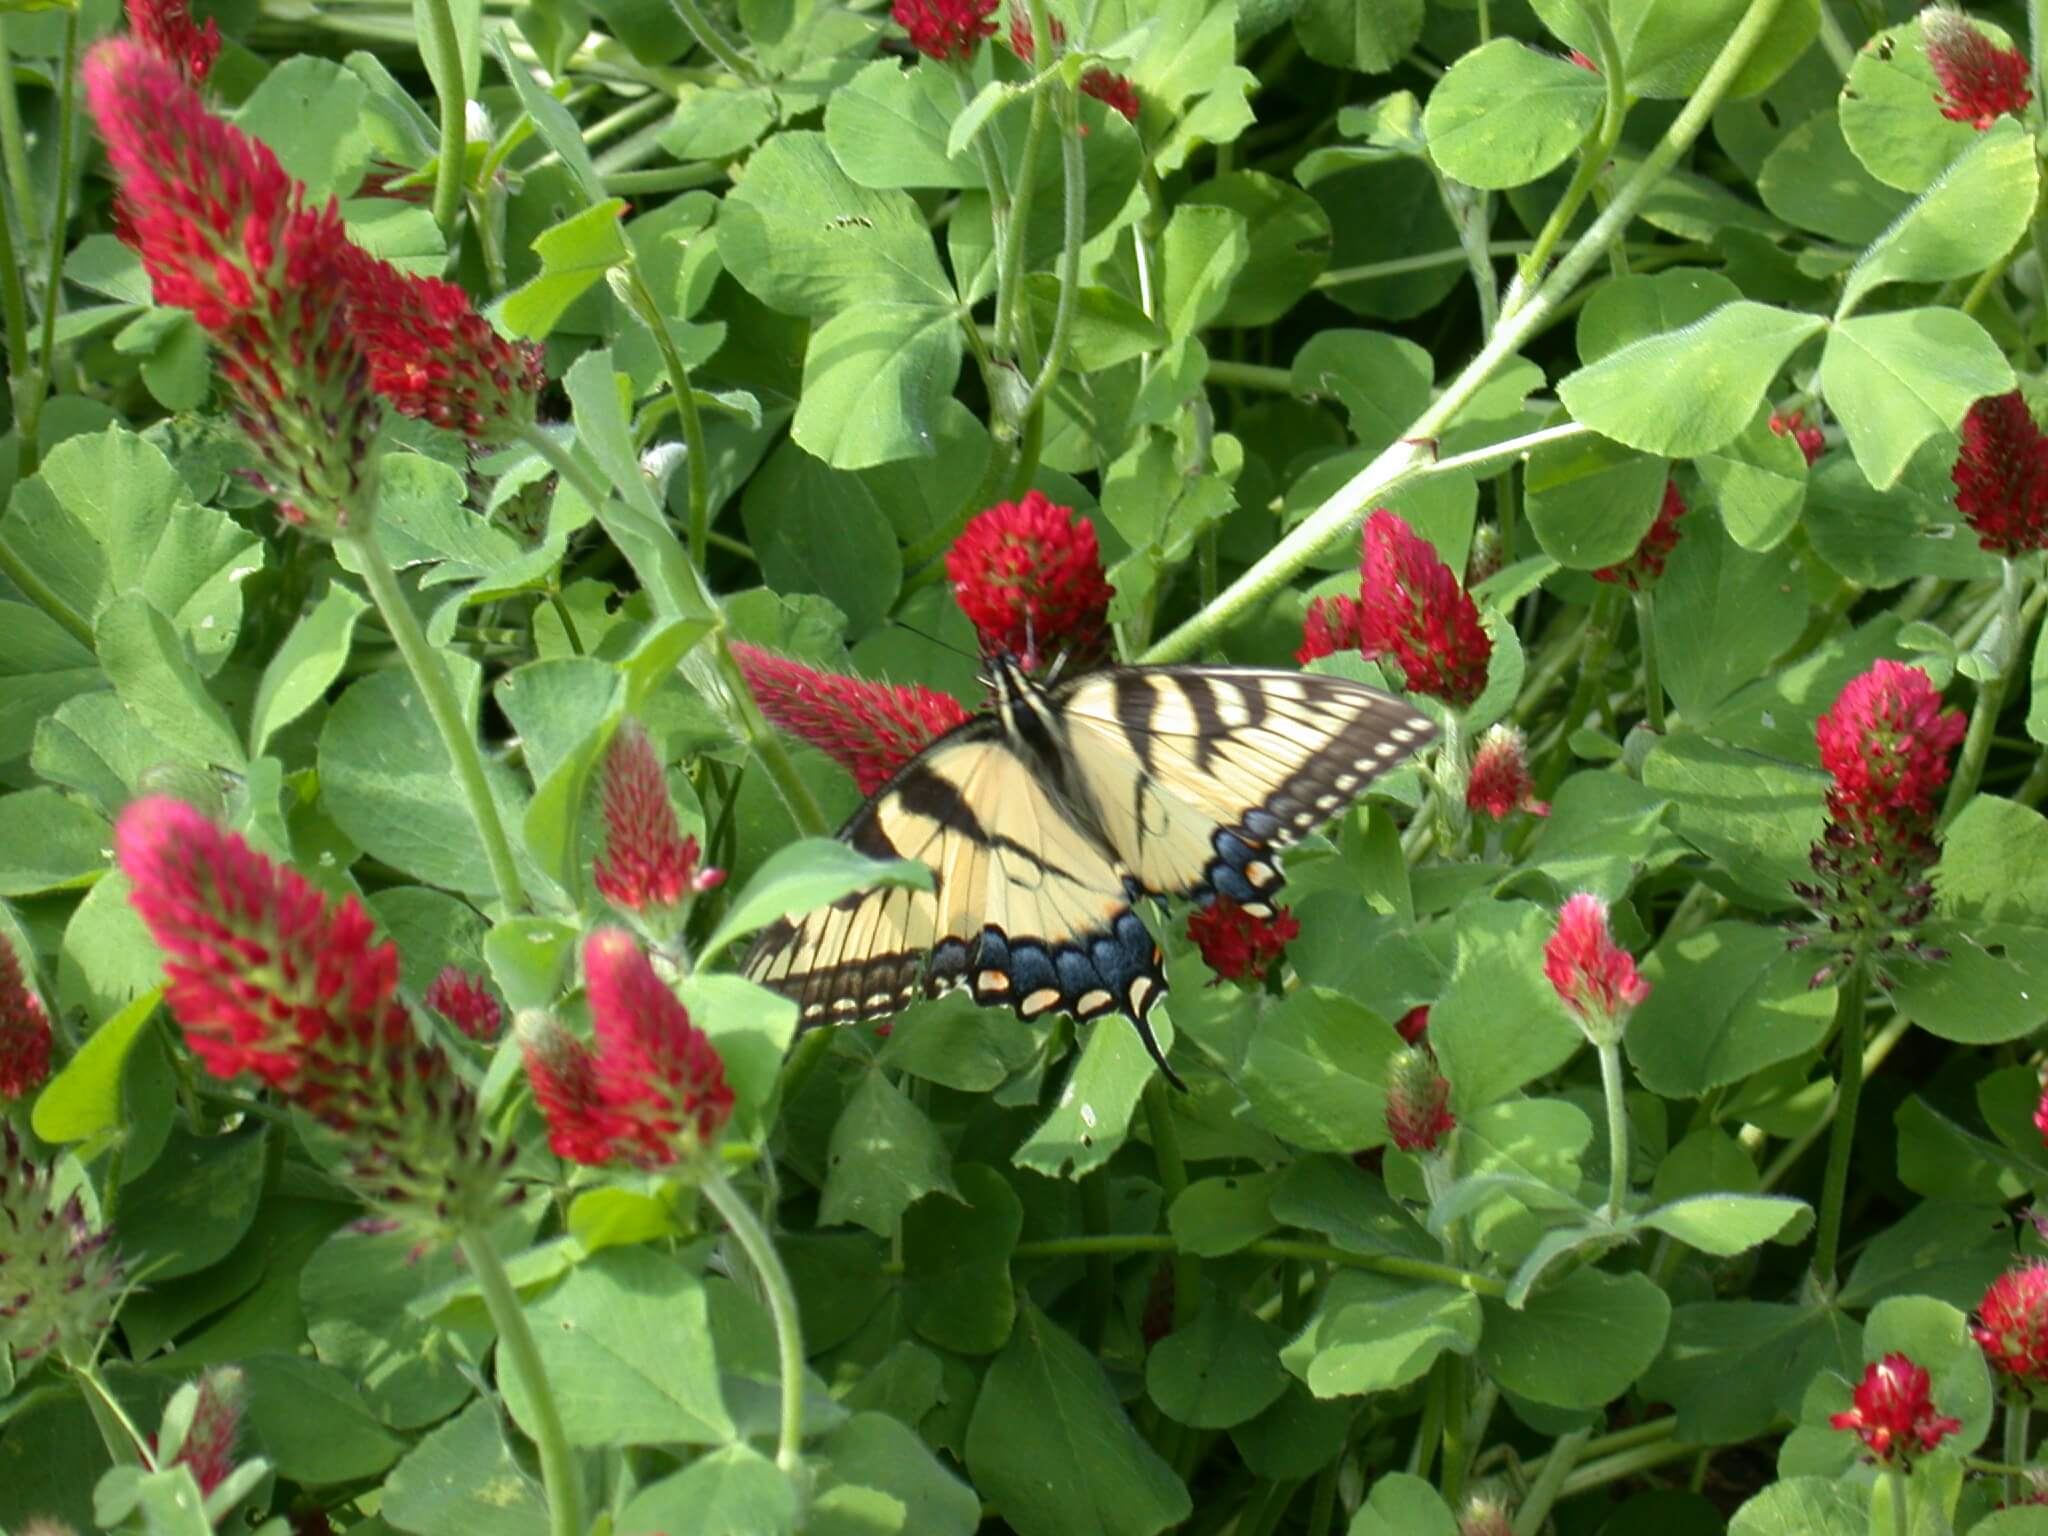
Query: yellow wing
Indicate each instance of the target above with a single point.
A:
(1198, 775)
(1028, 909)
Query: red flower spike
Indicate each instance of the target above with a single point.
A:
(1894, 1415)
(648, 867)
(1418, 1101)
(224, 232)
(464, 1001)
(1595, 977)
(209, 1448)
(564, 1076)
(1980, 81)
(1811, 440)
(1647, 563)
(1331, 625)
(1583, 61)
(433, 356)
(1022, 43)
(2012, 1326)
(1113, 91)
(1028, 575)
(166, 29)
(1411, 606)
(2001, 476)
(656, 1070)
(1413, 1025)
(1887, 742)
(1237, 945)
(1500, 784)
(869, 729)
(24, 1031)
(945, 29)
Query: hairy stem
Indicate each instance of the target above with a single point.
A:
(2018, 1414)
(696, 456)
(1842, 1136)
(1653, 677)
(1614, 1087)
(1990, 694)
(789, 1338)
(714, 42)
(1543, 1493)
(558, 1471)
(451, 169)
(1173, 1179)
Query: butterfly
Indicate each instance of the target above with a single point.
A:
(1045, 819)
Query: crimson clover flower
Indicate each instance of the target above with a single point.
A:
(869, 729)
(1811, 440)
(648, 867)
(652, 1092)
(946, 29)
(1330, 625)
(1028, 575)
(2041, 1122)
(1418, 1101)
(1022, 42)
(1886, 743)
(166, 29)
(2001, 475)
(1647, 563)
(1238, 945)
(1500, 784)
(1980, 81)
(434, 357)
(2012, 1324)
(1894, 1412)
(266, 977)
(1114, 91)
(224, 232)
(210, 1434)
(1413, 1025)
(1411, 607)
(464, 1001)
(1594, 976)
(59, 1279)
(24, 1031)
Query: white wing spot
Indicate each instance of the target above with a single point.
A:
(1401, 733)
(1328, 802)
(1383, 748)
(1347, 782)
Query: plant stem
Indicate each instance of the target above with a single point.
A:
(1564, 1455)
(1452, 1480)
(767, 746)
(1613, 1469)
(126, 1444)
(1834, 41)
(1653, 679)
(14, 147)
(451, 169)
(1341, 511)
(696, 456)
(1074, 192)
(1173, 1180)
(1271, 1248)
(1323, 1505)
(42, 379)
(1615, 1088)
(1842, 1136)
(457, 737)
(1990, 694)
(1873, 1058)
(558, 1471)
(1902, 1519)
(2018, 1412)
(713, 42)
(789, 1339)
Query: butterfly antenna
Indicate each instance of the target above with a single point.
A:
(944, 645)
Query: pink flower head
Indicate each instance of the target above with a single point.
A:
(564, 1076)
(2001, 475)
(433, 356)
(1331, 625)
(24, 1031)
(648, 866)
(1887, 742)
(209, 1448)
(1029, 576)
(1894, 1414)
(2012, 1326)
(1980, 81)
(1811, 440)
(946, 29)
(1594, 976)
(224, 232)
(1412, 607)
(656, 1070)
(464, 1001)
(869, 729)
(1237, 945)
(166, 29)
(1500, 784)
(260, 973)
(1114, 91)
(1418, 1101)
(1647, 563)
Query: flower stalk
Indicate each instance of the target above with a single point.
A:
(753, 1238)
(1991, 692)
(1653, 678)
(559, 1475)
(1842, 1135)
(1614, 1088)
(451, 166)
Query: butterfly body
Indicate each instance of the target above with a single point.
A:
(1046, 818)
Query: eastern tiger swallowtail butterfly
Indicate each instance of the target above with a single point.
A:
(1044, 819)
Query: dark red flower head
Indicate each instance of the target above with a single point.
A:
(433, 356)
(1411, 607)
(1811, 440)
(166, 29)
(1413, 1025)
(59, 1278)
(2012, 1325)
(464, 1001)
(1894, 1414)
(1028, 575)
(1887, 742)
(2001, 475)
(1237, 945)
(1418, 1101)
(563, 1072)
(1647, 563)
(869, 729)
(1022, 43)
(648, 867)
(1500, 784)
(656, 1070)
(946, 29)
(1331, 625)
(1980, 81)
(24, 1031)
(1594, 976)
(1114, 91)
